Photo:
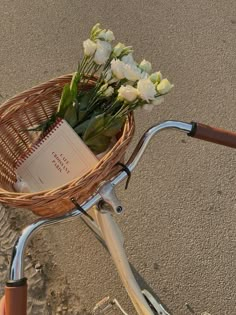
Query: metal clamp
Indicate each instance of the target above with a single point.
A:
(126, 169)
(108, 194)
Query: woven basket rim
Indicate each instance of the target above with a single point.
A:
(7, 109)
(35, 91)
(49, 191)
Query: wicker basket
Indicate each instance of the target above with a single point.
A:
(33, 107)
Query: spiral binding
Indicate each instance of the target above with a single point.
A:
(39, 142)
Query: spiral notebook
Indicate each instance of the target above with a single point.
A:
(58, 158)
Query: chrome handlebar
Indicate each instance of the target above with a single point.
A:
(17, 262)
(144, 141)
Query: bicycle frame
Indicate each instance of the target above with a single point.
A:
(103, 225)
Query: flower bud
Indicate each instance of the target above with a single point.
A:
(127, 50)
(145, 66)
(95, 31)
(108, 75)
(148, 107)
(103, 88)
(158, 100)
(164, 86)
(156, 77)
(127, 93)
(117, 50)
(108, 35)
(89, 47)
(128, 59)
(109, 91)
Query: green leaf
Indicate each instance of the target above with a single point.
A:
(71, 116)
(76, 104)
(114, 126)
(101, 129)
(83, 101)
(69, 94)
(65, 101)
(44, 125)
(99, 143)
(85, 98)
(82, 114)
(96, 125)
(80, 129)
(74, 85)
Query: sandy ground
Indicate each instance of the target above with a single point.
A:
(180, 217)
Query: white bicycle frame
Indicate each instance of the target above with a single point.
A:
(103, 204)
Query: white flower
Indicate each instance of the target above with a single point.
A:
(144, 75)
(128, 59)
(117, 50)
(158, 100)
(109, 78)
(120, 50)
(103, 88)
(127, 93)
(109, 36)
(145, 66)
(89, 47)
(100, 57)
(132, 73)
(113, 80)
(117, 68)
(156, 77)
(96, 28)
(106, 90)
(148, 107)
(95, 31)
(106, 35)
(146, 89)
(102, 34)
(103, 52)
(164, 86)
(122, 70)
(108, 75)
(109, 91)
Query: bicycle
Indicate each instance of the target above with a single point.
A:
(104, 203)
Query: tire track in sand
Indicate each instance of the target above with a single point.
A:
(48, 291)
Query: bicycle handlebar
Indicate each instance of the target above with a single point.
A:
(212, 134)
(192, 129)
(196, 130)
(17, 261)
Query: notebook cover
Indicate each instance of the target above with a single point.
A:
(58, 158)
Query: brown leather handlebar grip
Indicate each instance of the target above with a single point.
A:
(212, 134)
(16, 299)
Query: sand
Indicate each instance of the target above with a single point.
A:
(179, 223)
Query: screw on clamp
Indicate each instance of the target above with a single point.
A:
(108, 195)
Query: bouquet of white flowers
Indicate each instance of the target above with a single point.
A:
(96, 103)
(120, 86)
